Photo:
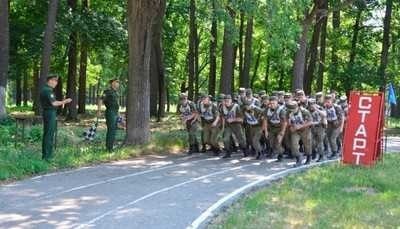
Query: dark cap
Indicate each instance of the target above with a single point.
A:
(50, 77)
(292, 105)
(113, 80)
(262, 92)
(274, 93)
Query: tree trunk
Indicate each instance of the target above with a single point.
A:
(35, 91)
(47, 45)
(385, 44)
(245, 79)
(25, 92)
(83, 66)
(322, 52)
(336, 32)
(4, 54)
(72, 112)
(267, 70)
(300, 58)
(213, 52)
(256, 65)
(58, 91)
(157, 71)
(348, 84)
(227, 70)
(240, 44)
(18, 90)
(309, 76)
(192, 47)
(141, 16)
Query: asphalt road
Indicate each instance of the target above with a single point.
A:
(149, 192)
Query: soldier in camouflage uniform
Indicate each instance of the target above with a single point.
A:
(253, 116)
(275, 126)
(232, 125)
(210, 119)
(299, 123)
(318, 129)
(189, 117)
(250, 100)
(287, 97)
(335, 118)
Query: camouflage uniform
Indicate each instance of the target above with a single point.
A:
(334, 117)
(299, 116)
(276, 124)
(209, 114)
(253, 117)
(318, 129)
(186, 110)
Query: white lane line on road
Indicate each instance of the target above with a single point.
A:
(118, 178)
(192, 180)
(209, 212)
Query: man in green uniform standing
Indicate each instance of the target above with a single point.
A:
(49, 106)
(110, 100)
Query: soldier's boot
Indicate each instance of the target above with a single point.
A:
(259, 155)
(314, 154)
(227, 154)
(298, 161)
(333, 155)
(190, 151)
(215, 151)
(308, 160)
(321, 158)
(196, 148)
(203, 148)
(245, 152)
(279, 158)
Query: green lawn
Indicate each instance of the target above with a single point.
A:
(25, 159)
(333, 196)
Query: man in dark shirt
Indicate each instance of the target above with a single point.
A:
(110, 100)
(49, 107)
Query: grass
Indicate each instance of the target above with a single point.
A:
(24, 160)
(333, 196)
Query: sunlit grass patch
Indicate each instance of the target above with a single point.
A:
(333, 196)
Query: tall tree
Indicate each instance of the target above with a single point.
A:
(300, 58)
(353, 51)
(4, 54)
(72, 112)
(240, 44)
(385, 44)
(245, 78)
(83, 64)
(157, 71)
(322, 50)
(336, 33)
(47, 47)
(213, 51)
(141, 16)
(193, 36)
(228, 54)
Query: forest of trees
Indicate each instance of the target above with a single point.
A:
(159, 48)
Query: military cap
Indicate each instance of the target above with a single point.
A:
(319, 94)
(113, 80)
(274, 93)
(227, 97)
(312, 101)
(343, 98)
(242, 90)
(249, 91)
(264, 97)
(50, 77)
(287, 95)
(328, 96)
(300, 93)
(273, 98)
(292, 105)
(281, 93)
(183, 96)
(262, 92)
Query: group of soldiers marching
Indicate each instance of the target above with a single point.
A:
(266, 126)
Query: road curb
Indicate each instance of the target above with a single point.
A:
(226, 202)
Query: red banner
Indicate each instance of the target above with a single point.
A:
(363, 132)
